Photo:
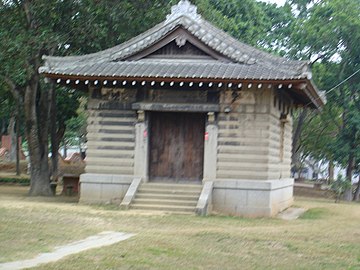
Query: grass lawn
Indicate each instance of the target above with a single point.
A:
(326, 237)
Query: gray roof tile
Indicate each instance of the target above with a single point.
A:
(184, 69)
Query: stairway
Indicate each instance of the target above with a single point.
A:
(167, 197)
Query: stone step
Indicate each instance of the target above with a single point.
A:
(149, 190)
(106, 169)
(164, 208)
(165, 202)
(173, 186)
(161, 212)
(167, 196)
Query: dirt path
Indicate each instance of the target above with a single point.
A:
(292, 213)
(96, 241)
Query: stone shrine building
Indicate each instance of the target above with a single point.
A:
(186, 118)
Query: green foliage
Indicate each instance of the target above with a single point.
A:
(277, 37)
(246, 21)
(327, 33)
(326, 28)
(97, 25)
(22, 181)
(255, 23)
(76, 126)
(67, 102)
(319, 135)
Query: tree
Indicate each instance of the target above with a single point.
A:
(328, 32)
(27, 32)
(23, 41)
(30, 29)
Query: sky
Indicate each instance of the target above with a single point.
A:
(278, 2)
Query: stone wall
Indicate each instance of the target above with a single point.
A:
(110, 152)
(244, 131)
(111, 142)
(253, 142)
(281, 130)
(253, 153)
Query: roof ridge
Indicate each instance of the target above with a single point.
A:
(184, 7)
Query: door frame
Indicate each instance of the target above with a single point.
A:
(142, 145)
(202, 118)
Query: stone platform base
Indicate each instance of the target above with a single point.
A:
(103, 188)
(248, 198)
(251, 198)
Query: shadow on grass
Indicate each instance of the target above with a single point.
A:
(16, 191)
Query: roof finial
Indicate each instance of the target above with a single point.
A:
(184, 7)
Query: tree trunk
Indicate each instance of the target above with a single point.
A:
(12, 134)
(18, 172)
(331, 172)
(357, 192)
(65, 149)
(295, 158)
(36, 127)
(40, 182)
(56, 135)
(55, 145)
(349, 174)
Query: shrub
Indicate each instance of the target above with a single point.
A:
(21, 181)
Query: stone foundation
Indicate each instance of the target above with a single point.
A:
(103, 188)
(248, 198)
(251, 198)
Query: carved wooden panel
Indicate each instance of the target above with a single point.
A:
(177, 96)
(119, 94)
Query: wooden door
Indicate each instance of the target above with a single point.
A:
(177, 146)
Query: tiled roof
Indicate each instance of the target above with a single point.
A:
(179, 69)
(184, 15)
(245, 62)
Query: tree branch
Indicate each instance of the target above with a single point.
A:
(29, 19)
(14, 89)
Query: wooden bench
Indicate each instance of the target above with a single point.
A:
(70, 184)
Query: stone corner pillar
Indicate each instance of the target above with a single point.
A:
(141, 147)
(210, 148)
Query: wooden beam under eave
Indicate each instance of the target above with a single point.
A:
(174, 79)
(298, 84)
